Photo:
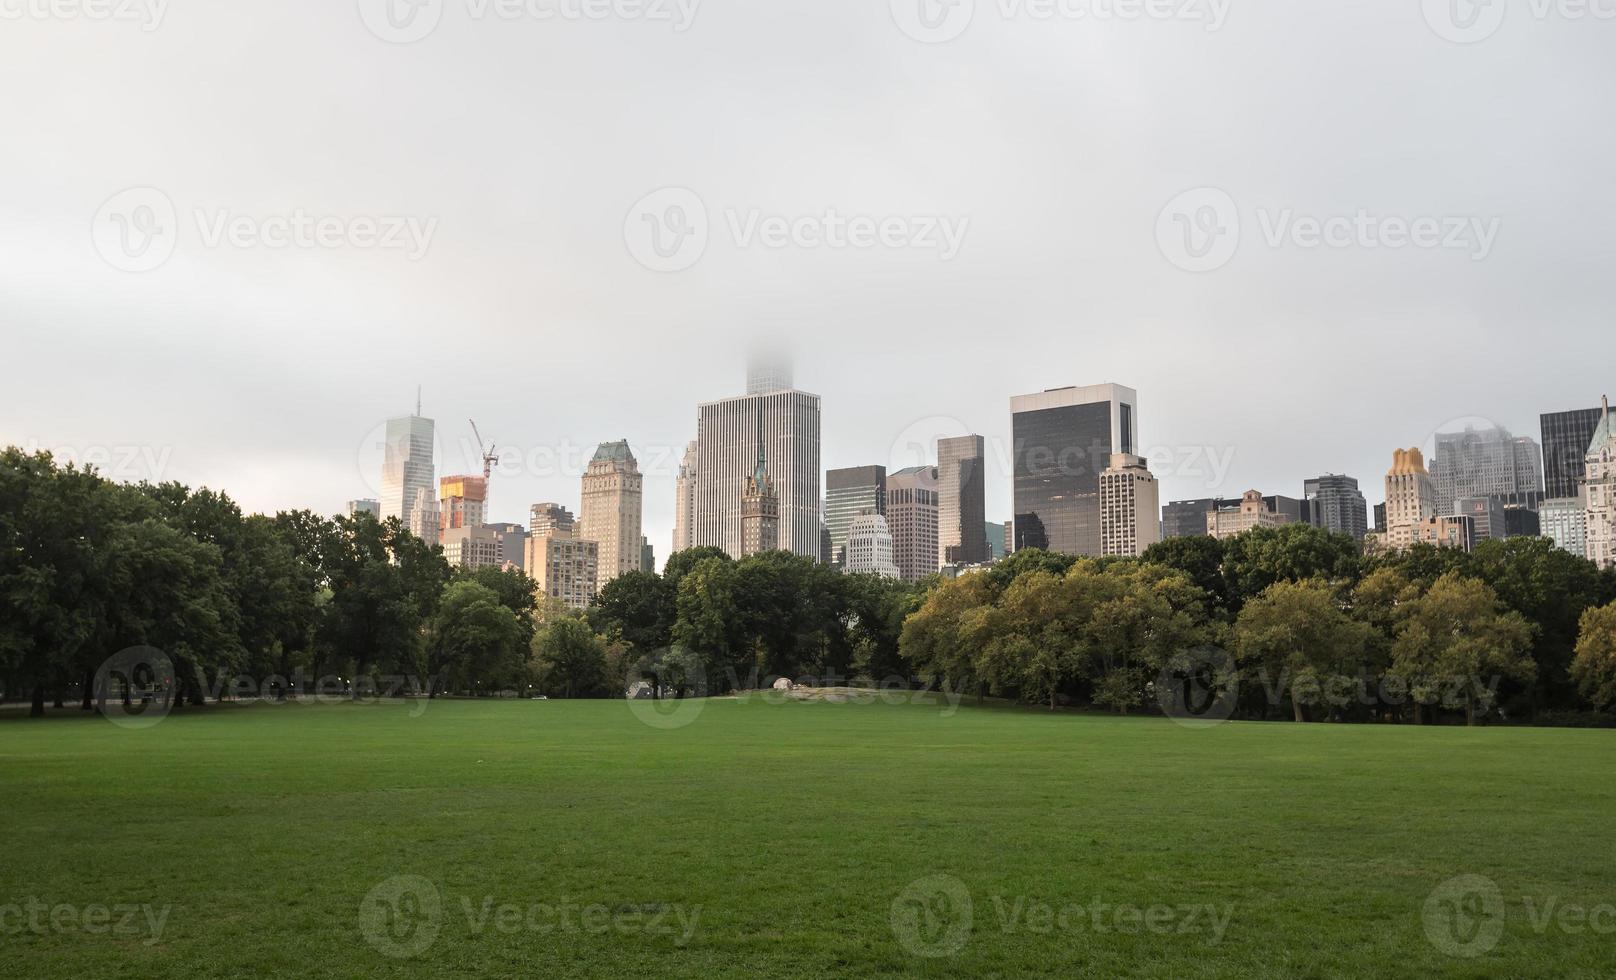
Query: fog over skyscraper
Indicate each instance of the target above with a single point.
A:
(727, 436)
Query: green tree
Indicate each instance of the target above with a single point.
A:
(477, 641)
(1258, 558)
(639, 607)
(1198, 556)
(1454, 639)
(1301, 639)
(570, 658)
(1594, 668)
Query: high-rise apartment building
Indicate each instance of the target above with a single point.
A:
(1488, 519)
(1063, 439)
(1411, 508)
(549, 518)
(512, 544)
(1484, 463)
(1566, 437)
(1336, 504)
(1599, 491)
(462, 502)
(726, 449)
(1565, 522)
(565, 567)
(684, 502)
(473, 547)
(849, 493)
(912, 521)
(961, 500)
(408, 474)
(613, 495)
(1129, 507)
(869, 546)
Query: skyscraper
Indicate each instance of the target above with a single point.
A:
(760, 508)
(961, 500)
(726, 440)
(848, 493)
(684, 501)
(552, 519)
(1483, 463)
(1566, 436)
(1565, 521)
(408, 473)
(1411, 514)
(1063, 440)
(1599, 491)
(462, 502)
(1336, 504)
(912, 521)
(611, 511)
(1130, 507)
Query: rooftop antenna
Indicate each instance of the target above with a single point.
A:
(417, 401)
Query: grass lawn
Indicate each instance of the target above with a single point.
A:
(551, 838)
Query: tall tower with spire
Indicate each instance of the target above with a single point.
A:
(760, 504)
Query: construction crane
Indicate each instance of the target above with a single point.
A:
(489, 456)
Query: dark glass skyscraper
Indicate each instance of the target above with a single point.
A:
(1063, 441)
(1566, 436)
(849, 493)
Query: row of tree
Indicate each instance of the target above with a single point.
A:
(1295, 618)
(89, 567)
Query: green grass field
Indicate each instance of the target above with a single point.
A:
(764, 839)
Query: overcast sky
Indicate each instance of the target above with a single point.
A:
(324, 217)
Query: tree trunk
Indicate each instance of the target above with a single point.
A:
(1296, 708)
(38, 708)
(1470, 713)
(60, 694)
(1419, 713)
(1052, 699)
(89, 690)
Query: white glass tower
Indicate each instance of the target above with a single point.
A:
(408, 472)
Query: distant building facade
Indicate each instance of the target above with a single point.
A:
(1566, 438)
(727, 435)
(1129, 507)
(1411, 509)
(912, 521)
(462, 502)
(473, 547)
(1063, 439)
(408, 471)
(995, 534)
(613, 501)
(684, 501)
(850, 492)
(1478, 463)
(564, 567)
(961, 500)
(760, 509)
(1599, 491)
(1565, 521)
(1253, 511)
(371, 507)
(1187, 518)
(869, 546)
(1336, 504)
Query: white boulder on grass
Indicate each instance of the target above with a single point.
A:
(784, 684)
